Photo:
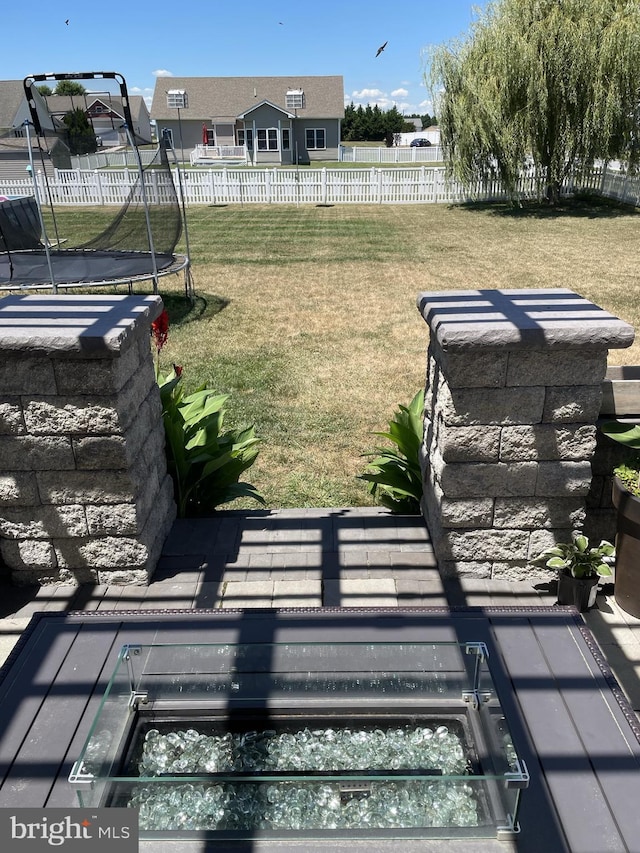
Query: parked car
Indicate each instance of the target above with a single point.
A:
(421, 142)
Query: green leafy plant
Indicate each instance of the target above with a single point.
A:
(628, 435)
(394, 474)
(205, 463)
(578, 559)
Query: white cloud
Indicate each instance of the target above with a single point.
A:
(365, 94)
(162, 72)
(146, 93)
(426, 107)
(400, 98)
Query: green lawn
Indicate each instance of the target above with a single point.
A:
(307, 317)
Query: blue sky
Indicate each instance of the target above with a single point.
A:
(144, 41)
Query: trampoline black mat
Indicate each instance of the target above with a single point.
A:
(82, 266)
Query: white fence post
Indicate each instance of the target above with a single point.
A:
(98, 183)
(267, 185)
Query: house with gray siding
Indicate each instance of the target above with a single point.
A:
(284, 120)
(105, 113)
(14, 145)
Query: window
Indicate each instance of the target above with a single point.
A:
(245, 137)
(176, 99)
(316, 137)
(286, 139)
(294, 99)
(267, 139)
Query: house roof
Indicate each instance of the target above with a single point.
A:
(269, 104)
(13, 105)
(11, 98)
(61, 104)
(232, 96)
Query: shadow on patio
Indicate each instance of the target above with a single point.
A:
(311, 558)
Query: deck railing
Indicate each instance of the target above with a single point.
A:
(213, 153)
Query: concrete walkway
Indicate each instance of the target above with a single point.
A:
(354, 557)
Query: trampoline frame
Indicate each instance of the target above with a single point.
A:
(181, 262)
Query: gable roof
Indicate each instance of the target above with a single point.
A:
(14, 109)
(11, 98)
(210, 97)
(59, 105)
(268, 104)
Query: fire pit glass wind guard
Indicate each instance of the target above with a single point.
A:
(281, 740)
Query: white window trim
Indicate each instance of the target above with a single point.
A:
(243, 132)
(315, 131)
(267, 131)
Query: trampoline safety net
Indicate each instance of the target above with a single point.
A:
(40, 246)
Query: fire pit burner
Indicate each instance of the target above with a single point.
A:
(346, 739)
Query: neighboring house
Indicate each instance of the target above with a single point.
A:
(14, 110)
(48, 152)
(280, 119)
(106, 115)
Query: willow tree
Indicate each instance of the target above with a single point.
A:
(552, 83)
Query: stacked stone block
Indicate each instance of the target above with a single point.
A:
(84, 491)
(512, 397)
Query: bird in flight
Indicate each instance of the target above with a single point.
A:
(67, 22)
(381, 48)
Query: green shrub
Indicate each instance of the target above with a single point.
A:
(394, 474)
(204, 463)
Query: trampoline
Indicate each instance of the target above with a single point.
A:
(139, 241)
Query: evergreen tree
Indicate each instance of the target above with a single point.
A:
(81, 137)
(69, 87)
(556, 81)
(364, 124)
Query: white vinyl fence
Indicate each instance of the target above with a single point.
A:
(106, 158)
(381, 154)
(411, 185)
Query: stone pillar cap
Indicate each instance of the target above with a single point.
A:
(84, 326)
(521, 319)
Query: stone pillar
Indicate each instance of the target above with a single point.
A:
(514, 383)
(84, 492)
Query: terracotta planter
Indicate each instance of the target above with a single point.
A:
(627, 576)
(581, 592)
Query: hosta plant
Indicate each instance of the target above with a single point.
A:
(205, 463)
(578, 559)
(394, 474)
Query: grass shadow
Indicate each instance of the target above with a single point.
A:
(582, 206)
(182, 310)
